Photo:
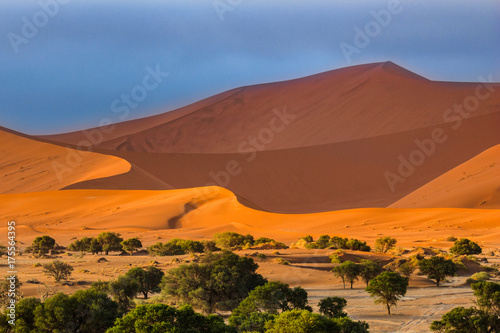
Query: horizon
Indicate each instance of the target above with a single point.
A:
(73, 69)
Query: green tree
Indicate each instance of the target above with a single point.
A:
(59, 270)
(271, 298)
(123, 290)
(95, 246)
(110, 242)
(488, 296)
(384, 244)
(231, 240)
(303, 321)
(387, 288)
(467, 320)
(338, 242)
(86, 311)
(347, 271)
(161, 318)
(357, 245)
(82, 245)
(465, 246)
(437, 268)
(333, 307)
(148, 279)
(368, 269)
(25, 317)
(56, 314)
(323, 242)
(42, 245)
(130, 245)
(219, 282)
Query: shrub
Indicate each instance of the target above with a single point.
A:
(59, 270)
(465, 246)
(42, 245)
(282, 261)
(384, 244)
(231, 240)
(130, 245)
(177, 246)
(335, 259)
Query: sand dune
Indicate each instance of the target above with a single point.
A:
(340, 147)
(473, 184)
(340, 105)
(27, 165)
(200, 212)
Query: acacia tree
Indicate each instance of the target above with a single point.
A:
(347, 271)
(219, 282)
(384, 244)
(368, 269)
(130, 245)
(148, 279)
(42, 245)
(333, 307)
(58, 270)
(110, 242)
(387, 288)
(266, 301)
(437, 268)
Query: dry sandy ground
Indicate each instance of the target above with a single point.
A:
(423, 303)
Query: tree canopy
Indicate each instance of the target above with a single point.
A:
(387, 288)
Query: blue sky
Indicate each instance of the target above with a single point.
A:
(88, 53)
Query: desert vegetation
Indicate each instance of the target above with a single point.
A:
(230, 294)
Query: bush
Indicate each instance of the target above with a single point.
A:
(232, 240)
(42, 245)
(335, 259)
(465, 246)
(177, 246)
(384, 244)
(130, 245)
(282, 261)
(58, 270)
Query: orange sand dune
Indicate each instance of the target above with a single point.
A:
(313, 179)
(200, 212)
(340, 105)
(27, 165)
(473, 184)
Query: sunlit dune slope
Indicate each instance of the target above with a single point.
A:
(320, 178)
(340, 105)
(473, 184)
(200, 212)
(27, 165)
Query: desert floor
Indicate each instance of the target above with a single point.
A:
(423, 303)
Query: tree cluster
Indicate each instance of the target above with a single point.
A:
(335, 242)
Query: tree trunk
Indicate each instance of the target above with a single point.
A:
(352, 282)
(106, 252)
(145, 293)
(343, 281)
(437, 282)
(388, 309)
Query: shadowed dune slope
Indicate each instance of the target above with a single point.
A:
(200, 212)
(340, 105)
(321, 178)
(473, 184)
(27, 165)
